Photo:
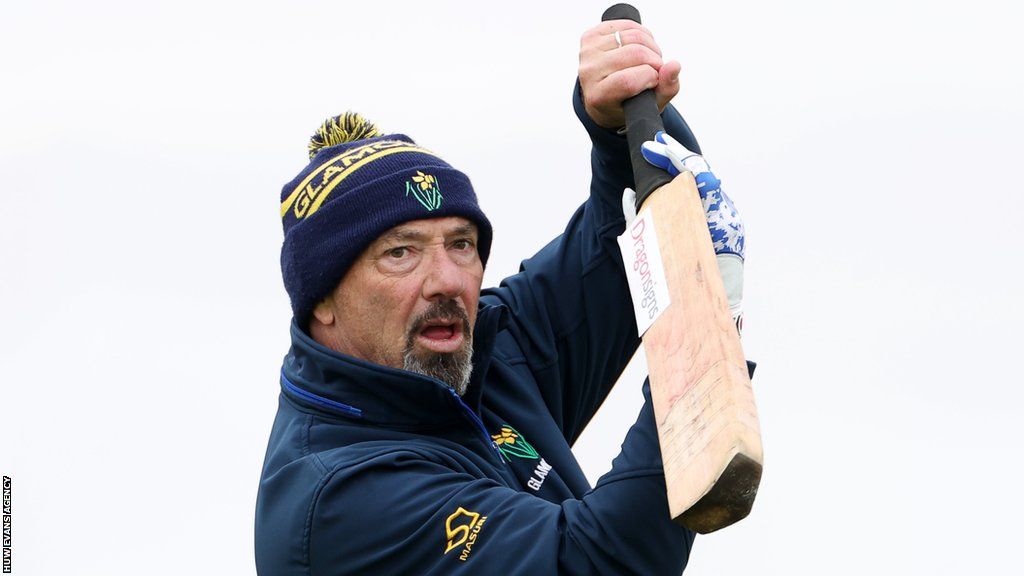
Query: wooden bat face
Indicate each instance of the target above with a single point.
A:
(703, 402)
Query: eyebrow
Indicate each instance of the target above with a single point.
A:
(406, 234)
(462, 230)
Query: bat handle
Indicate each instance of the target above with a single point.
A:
(643, 121)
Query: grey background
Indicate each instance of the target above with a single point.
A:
(872, 148)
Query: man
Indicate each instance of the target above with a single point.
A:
(425, 426)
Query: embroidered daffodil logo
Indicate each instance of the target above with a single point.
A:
(426, 181)
(426, 189)
(512, 443)
(506, 436)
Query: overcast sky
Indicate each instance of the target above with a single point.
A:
(872, 147)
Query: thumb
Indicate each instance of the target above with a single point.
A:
(668, 83)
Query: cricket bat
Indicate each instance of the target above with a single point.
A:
(703, 402)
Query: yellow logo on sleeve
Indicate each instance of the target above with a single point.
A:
(463, 527)
(511, 443)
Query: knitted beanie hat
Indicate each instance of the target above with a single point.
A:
(359, 184)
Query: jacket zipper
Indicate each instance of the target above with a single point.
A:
(479, 423)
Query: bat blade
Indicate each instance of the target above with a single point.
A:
(703, 402)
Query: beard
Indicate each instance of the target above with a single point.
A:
(452, 368)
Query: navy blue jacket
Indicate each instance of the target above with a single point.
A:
(374, 470)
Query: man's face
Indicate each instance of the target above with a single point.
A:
(409, 301)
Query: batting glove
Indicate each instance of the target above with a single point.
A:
(724, 221)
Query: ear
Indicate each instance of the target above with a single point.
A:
(324, 312)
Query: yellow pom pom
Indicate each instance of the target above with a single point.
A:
(347, 127)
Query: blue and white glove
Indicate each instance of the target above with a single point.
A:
(724, 221)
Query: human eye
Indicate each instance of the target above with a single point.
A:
(397, 259)
(397, 253)
(463, 244)
(463, 251)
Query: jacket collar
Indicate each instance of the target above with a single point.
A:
(341, 385)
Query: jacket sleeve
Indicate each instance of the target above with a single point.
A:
(572, 318)
(409, 513)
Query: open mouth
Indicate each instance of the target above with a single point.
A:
(441, 335)
(439, 331)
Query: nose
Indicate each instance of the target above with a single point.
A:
(445, 278)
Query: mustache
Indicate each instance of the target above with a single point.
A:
(454, 368)
(442, 310)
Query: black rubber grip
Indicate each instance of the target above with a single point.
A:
(621, 12)
(642, 122)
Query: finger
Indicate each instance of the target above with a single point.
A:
(674, 147)
(668, 83)
(657, 154)
(609, 27)
(626, 83)
(676, 155)
(640, 36)
(676, 152)
(671, 142)
(606, 42)
(596, 67)
(628, 56)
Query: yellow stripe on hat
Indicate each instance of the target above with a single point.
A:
(305, 181)
(348, 163)
(344, 174)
